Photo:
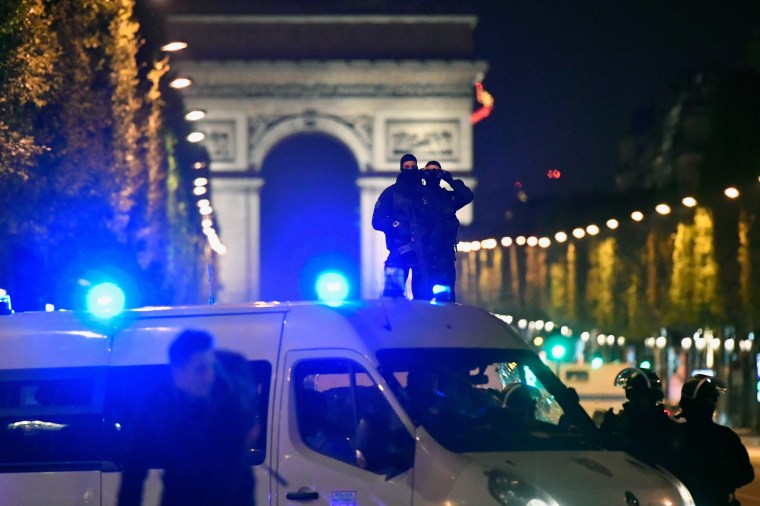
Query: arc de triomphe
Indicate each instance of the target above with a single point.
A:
(379, 108)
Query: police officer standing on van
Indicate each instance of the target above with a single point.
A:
(442, 224)
(420, 226)
(197, 430)
(711, 460)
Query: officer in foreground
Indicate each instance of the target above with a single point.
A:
(197, 429)
(643, 427)
(711, 460)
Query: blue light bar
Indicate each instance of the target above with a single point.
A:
(105, 300)
(332, 287)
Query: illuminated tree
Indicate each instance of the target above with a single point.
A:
(88, 164)
(558, 290)
(693, 282)
(601, 283)
(535, 279)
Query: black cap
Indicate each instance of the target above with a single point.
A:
(434, 162)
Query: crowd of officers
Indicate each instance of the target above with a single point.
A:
(708, 458)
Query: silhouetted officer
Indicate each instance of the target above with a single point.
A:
(420, 227)
(197, 429)
(643, 427)
(711, 461)
(441, 225)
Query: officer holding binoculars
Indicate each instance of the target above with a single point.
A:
(419, 220)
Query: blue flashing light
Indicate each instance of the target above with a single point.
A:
(105, 300)
(332, 287)
(441, 293)
(597, 362)
(439, 289)
(645, 364)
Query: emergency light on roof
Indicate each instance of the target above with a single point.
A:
(105, 300)
(332, 287)
(441, 293)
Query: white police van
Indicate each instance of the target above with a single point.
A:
(384, 402)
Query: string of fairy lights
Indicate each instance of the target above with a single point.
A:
(704, 340)
(579, 232)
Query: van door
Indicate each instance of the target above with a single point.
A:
(51, 450)
(339, 440)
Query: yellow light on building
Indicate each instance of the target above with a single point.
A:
(689, 201)
(506, 241)
(592, 230)
(637, 216)
(560, 237)
(579, 233)
(612, 224)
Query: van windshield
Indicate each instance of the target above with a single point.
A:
(480, 400)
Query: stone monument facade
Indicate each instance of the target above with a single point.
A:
(378, 108)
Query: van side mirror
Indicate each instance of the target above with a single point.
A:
(572, 395)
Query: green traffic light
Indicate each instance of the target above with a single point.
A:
(558, 351)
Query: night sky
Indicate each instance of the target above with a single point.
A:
(569, 78)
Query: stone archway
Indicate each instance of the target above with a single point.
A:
(378, 109)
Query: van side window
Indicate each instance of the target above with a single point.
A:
(50, 416)
(129, 388)
(341, 413)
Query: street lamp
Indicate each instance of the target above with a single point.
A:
(195, 115)
(172, 47)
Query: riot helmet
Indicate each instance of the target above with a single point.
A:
(638, 381)
(699, 397)
(702, 387)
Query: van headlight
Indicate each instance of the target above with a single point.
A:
(512, 491)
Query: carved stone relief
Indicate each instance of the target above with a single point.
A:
(426, 139)
(220, 139)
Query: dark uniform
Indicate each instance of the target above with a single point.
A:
(199, 443)
(420, 227)
(711, 460)
(643, 427)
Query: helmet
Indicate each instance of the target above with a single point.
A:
(640, 380)
(702, 387)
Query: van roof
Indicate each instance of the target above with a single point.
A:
(365, 326)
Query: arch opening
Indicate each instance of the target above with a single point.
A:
(310, 217)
